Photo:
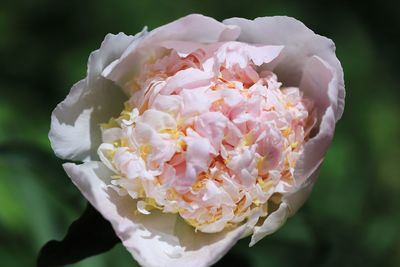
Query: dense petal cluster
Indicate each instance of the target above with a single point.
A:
(207, 134)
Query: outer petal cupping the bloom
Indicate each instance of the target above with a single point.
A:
(308, 60)
(300, 43)
(74, 132)
(192, 28)
(157, 239)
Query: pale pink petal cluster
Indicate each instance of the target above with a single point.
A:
(208, 135)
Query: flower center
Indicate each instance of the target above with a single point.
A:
(207, 135)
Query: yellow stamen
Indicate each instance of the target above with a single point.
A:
(246, 140)
(145, 150)
(294, 145)
(151, 204)
(260, 164)
(286, 131)
(112, 123)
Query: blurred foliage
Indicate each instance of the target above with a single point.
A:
(352, 217)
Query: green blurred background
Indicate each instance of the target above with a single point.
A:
(353, 215)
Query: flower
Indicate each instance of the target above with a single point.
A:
(199, 133)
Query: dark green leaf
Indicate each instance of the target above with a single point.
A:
(91, 234)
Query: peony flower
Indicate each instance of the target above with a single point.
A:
(199, 133)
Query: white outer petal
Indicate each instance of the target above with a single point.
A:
(300, 43)
(75, 133)
(297, 198)
(192, 28)
(155, 240)
(271, 224)
(319, 83)
(289, 206)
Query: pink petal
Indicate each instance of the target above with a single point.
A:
(171, 104)
(196, 101)
(211, 125)
(198, 156)
(186, 79)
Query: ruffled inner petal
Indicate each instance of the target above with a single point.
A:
(208, 134)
